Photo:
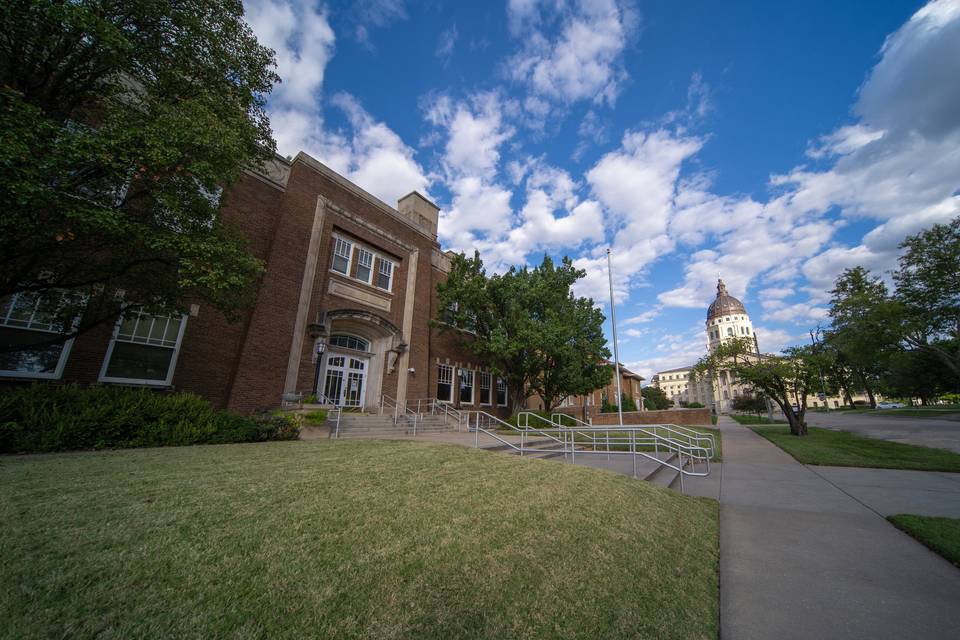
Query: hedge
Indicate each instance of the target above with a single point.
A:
(43, 417)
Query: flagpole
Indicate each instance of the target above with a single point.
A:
(616, 350)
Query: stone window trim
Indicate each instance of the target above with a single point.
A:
(364, 271)
(163, 342)
(485, 385)
(466, 380)
(362, 264)
(15, 317)
(445, 379)
(501, 389)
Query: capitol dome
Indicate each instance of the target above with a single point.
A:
(725, 304)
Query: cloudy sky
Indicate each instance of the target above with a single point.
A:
(773, 143)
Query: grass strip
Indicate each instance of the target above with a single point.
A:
(351, 539)
(941, 535)
(844, 449)
(751, 420)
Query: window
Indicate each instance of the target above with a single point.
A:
(349, 342)
(466, 386)
(729, 331)
(364, 265)
(748, 330)
(28, 319)
(501, 392)
(445, 383)
(384, 274)
(341, 256)
(485, 379)
(144, 348)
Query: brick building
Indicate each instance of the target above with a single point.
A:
(345, 272)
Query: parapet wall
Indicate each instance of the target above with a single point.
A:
(700, 417)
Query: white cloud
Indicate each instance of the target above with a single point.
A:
(446, 43)
(368, 152)
(373, 156)
(583, 60)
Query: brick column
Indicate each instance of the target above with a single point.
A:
(306, 293)
(409, 300)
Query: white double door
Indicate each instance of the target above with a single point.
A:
(345, 379)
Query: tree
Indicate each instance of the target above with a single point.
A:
(627, 403)
(655, 399)
(527, 325)
(120, 124)
(928, 291)
(915, 373)
(863, 328)
(786, 379)
(750, 403)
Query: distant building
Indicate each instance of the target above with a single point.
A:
(588, 405)
(727, 319)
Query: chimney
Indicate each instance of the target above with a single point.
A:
(420, 211)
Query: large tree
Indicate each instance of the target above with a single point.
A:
(928, 290)
(528, 326)
(786, 379)
(864, 329)
(120, 122)
(655, 399)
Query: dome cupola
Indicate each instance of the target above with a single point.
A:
(724, 304)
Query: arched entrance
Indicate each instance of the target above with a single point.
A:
(361, 349)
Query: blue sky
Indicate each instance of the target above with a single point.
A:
(773, 143)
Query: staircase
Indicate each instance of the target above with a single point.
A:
(367, 425)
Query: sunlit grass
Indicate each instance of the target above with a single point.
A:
(353, 539)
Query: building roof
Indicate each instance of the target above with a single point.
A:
(626, 373)
(675, 370)
(724, 304)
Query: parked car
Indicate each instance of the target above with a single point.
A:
(889, 405)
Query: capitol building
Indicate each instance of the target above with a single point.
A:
(727, 318)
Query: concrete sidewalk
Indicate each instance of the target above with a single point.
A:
(802, 558)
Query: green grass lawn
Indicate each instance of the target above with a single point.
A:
(942, 535)
(752, 419)
(844, 449)
(352, 539)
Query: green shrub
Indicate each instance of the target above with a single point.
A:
(695, 405)
(44, 417)
(315, 417)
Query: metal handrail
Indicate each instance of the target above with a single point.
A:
(445, 408)
(339, 412)
(399, 410)
(685, 454)
(554, 418)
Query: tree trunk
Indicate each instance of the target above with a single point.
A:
(873, 401)
(866, 387)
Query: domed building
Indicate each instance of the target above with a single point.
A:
(727, 318)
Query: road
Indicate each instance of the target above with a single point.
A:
(926, 432)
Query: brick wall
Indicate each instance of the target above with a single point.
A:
(699, 417)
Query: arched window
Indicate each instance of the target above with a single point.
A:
(729, 331)
(349, 342)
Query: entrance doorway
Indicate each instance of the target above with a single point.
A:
(344, 381)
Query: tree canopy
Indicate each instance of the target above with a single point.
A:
(120, 123)
(928, 291)
(654, 398)
(528, 326)
(786, 379)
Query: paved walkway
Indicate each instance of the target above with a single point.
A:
(926, 432)
(801, 557)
